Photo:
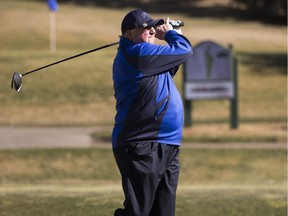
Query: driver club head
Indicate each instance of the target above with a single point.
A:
(16, 82)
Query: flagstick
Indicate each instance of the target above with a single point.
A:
(52, 32)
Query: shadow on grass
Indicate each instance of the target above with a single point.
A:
(190, 8)
(276, 62)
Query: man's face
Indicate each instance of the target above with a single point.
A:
(141, 34)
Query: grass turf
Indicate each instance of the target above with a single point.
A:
(87, 182)
(198, 201)
(78, 182)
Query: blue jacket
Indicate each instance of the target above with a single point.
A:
(148, 104)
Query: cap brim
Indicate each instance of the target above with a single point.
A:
(155, 22)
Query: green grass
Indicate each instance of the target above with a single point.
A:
(266, 131)
(98, 165)
(79, 92)
(190, 202)
(87, 182)
(229, 202)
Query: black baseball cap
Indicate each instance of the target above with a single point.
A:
(138, 18)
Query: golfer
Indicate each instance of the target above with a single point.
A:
(148, 124)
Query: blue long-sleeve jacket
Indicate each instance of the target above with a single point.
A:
(148, 104)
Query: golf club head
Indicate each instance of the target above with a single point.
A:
(16, 82)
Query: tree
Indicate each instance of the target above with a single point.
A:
(269, 8)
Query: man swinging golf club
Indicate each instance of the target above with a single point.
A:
(148, 124)
(16, 82)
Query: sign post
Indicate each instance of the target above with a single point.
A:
(211, 73)
(234, 100)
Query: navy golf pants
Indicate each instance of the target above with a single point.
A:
(150, 172)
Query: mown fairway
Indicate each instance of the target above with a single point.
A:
(90, 201)
(79, 93)
(86, 182)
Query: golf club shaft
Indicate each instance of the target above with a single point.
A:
(66, 59)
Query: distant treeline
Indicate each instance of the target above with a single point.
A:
(268, 7)
(272, 11)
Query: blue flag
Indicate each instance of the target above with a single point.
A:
(53, 5)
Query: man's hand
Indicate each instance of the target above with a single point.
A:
(162, 29)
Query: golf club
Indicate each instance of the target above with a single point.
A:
(16, 82)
